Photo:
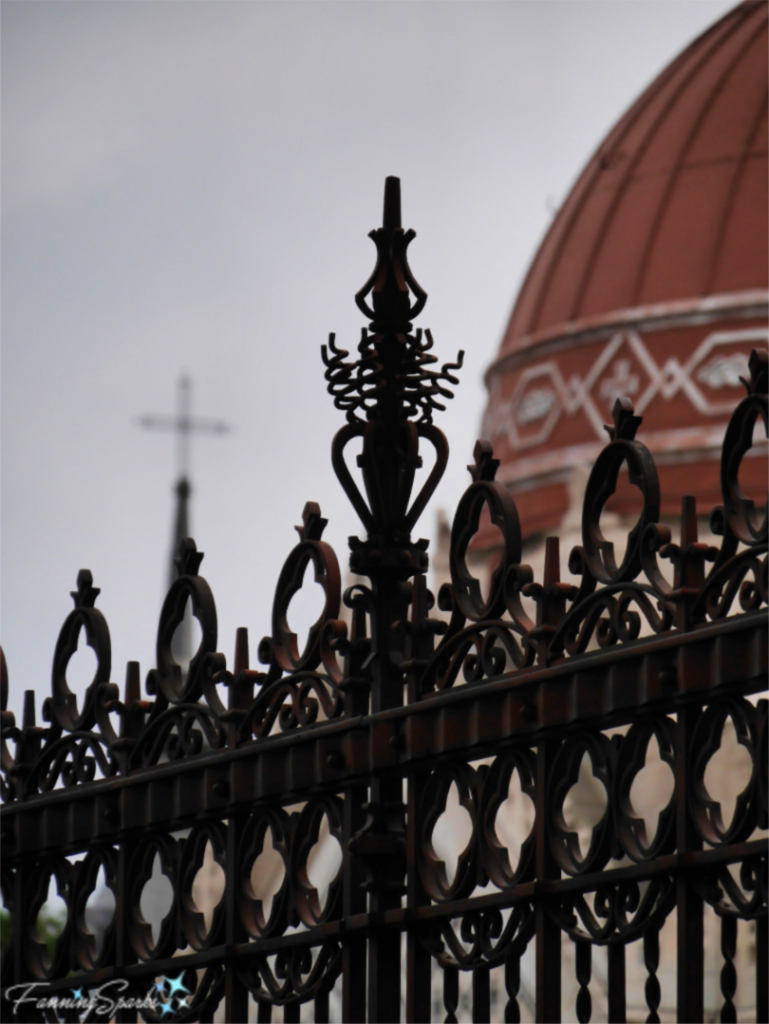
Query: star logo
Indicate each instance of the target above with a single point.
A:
(177, 985)
(165, 1008)
(77, 993)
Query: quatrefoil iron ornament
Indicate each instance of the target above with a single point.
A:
(140, 871)
(98, 859)
(192, 921)
(483, 492)
(281, 650)
(747, 523)
(564, 841)
(631, 829)
(623, 448)
(41, 964)
(62, 706)
(251, 907)
(431, 868)
(166, 679)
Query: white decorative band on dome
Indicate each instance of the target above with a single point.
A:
(542, 394)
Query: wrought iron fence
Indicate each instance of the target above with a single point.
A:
(374, 720)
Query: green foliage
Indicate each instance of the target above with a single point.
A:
(50, 925)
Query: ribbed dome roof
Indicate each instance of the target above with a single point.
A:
(673, 204)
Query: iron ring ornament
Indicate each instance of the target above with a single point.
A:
(745, 522)
(62, 706)
(564, 841)
(41, 965)
(306, 835)
(484, 492)
(631, 829)
(749, 812)
(432, 869)
(281, 650)
(496, 788)
(191, 921)
(602, 484)
(166, 848)
(251, 907)
(166, 680)
(99, 860)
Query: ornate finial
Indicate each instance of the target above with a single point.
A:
(390, 378)
(313, 523)
(391, 282)
(758, 364)
(86, 594)
(29, 718)
(486, 465)
(189, 558)
(625, 423)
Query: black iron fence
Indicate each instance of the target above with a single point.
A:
(366, 729)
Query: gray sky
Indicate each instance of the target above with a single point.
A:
(190, 186)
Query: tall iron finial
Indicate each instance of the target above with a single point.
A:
(390, 379)
(391, 215)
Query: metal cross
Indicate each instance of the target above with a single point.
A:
(183, 424)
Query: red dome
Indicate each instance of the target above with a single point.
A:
(674, 202)
(653, 273)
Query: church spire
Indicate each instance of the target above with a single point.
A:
(183, 424)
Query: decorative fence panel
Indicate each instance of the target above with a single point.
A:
(367, 729)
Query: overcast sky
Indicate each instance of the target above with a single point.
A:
(189, 186)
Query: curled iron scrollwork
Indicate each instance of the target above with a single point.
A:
(621, 912)
(485, 938)
(739, 893)
(182, 730)
(294, 975)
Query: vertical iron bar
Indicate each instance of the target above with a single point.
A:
(391, 603)
(583, 963)
(451, 993)
(762, 962)
(690, 951)
(547, 932)
(124, 954)
(512, 985)
(481, 996)
(321, 1007)
(652, 991)
(235, 991)
(292, 1013)
(617, 983)
(418, 959)
(728, 971)
(263, 1013)
(353, 902)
